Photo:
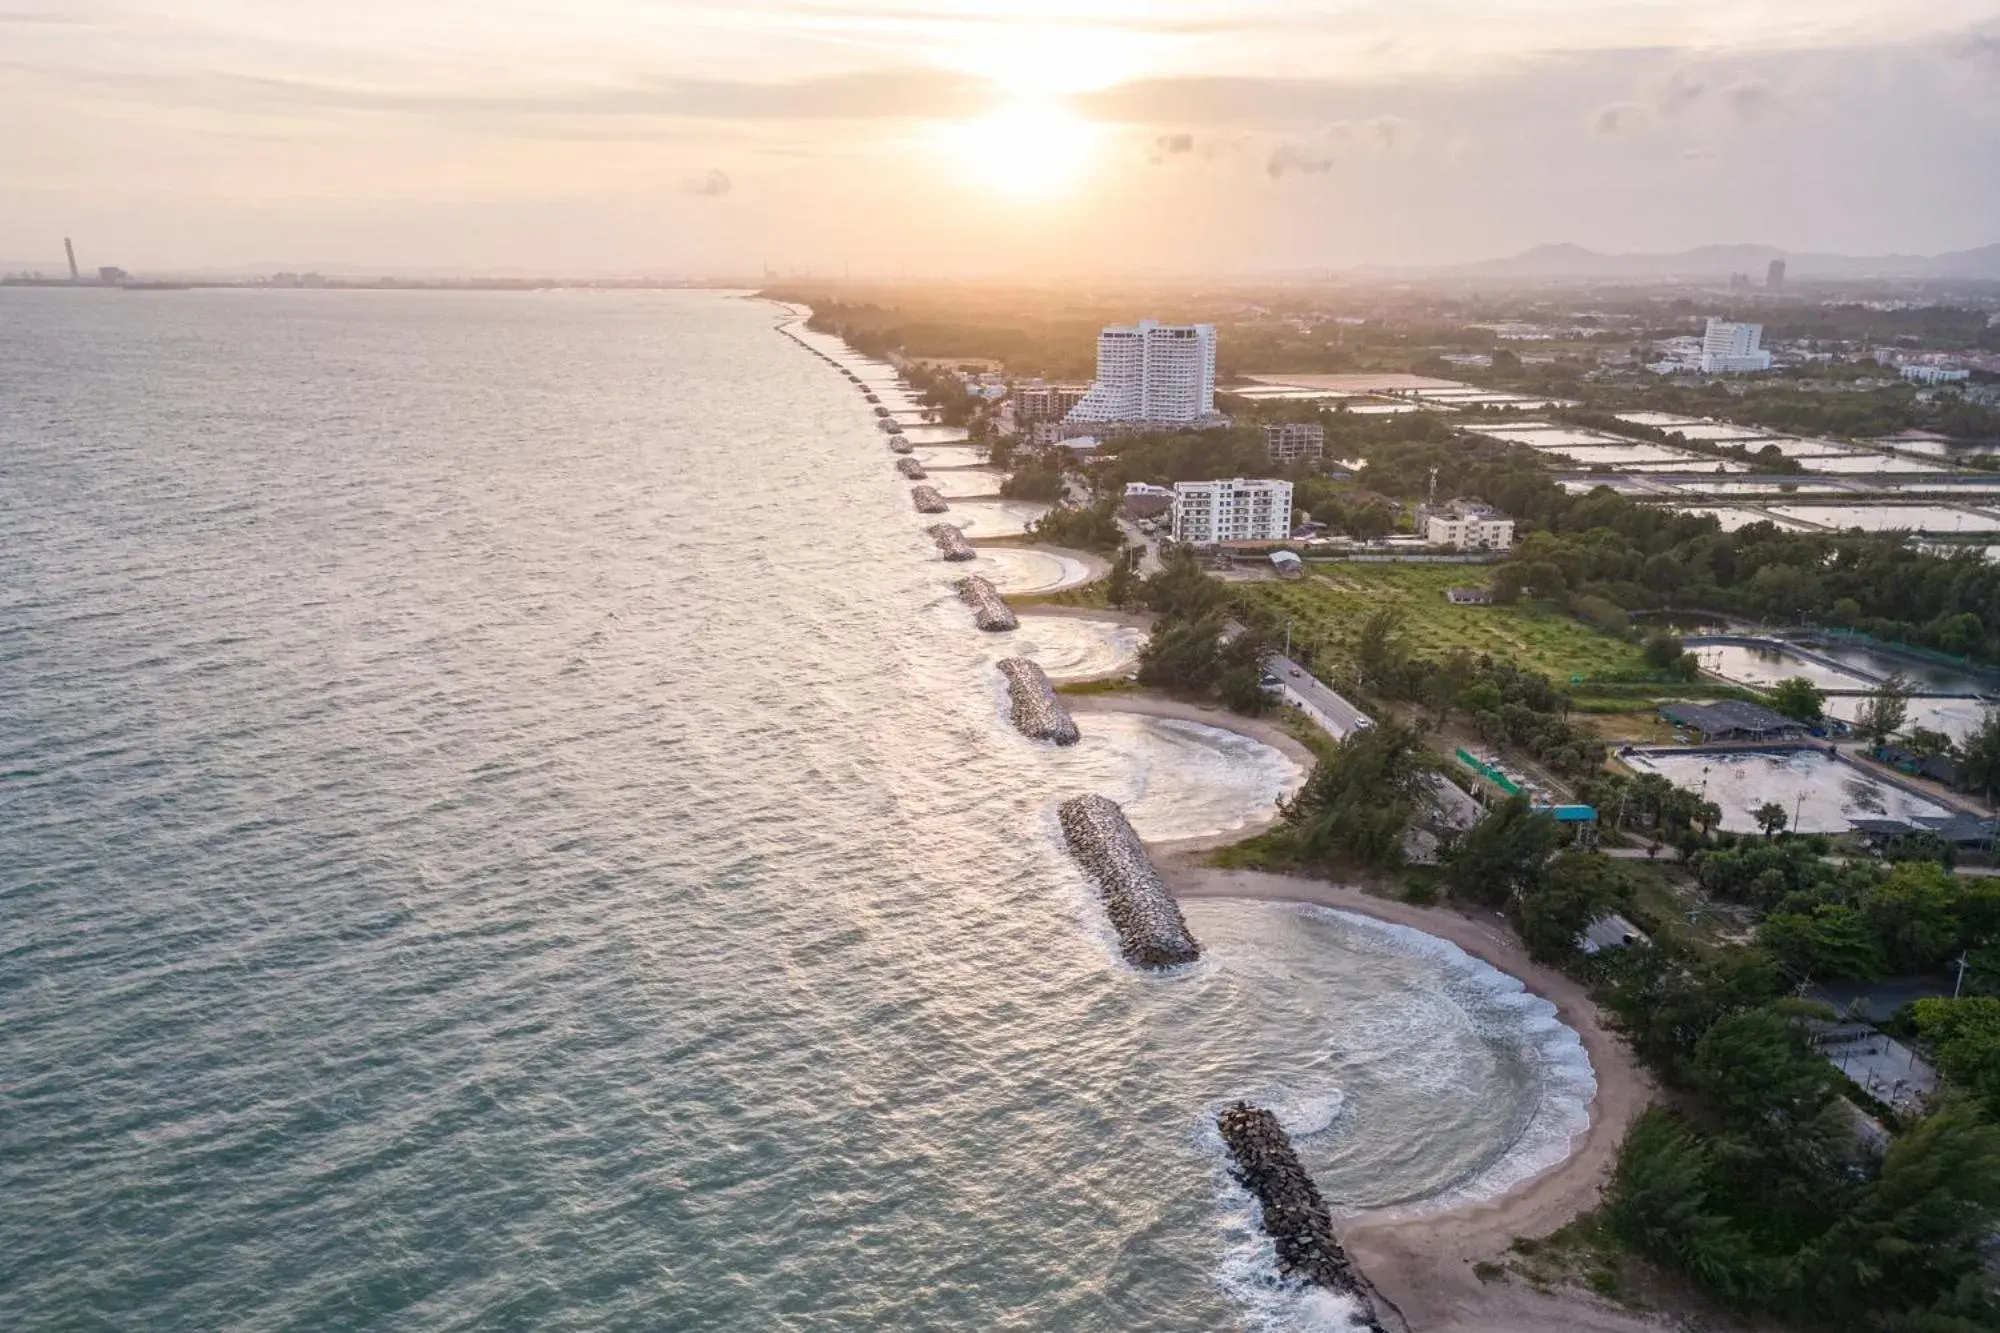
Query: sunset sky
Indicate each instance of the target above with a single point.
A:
(986, 136)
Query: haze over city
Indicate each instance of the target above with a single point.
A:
(972, 137)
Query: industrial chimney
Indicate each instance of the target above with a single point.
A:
(70, 249)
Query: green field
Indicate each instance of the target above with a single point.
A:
(1330, 603)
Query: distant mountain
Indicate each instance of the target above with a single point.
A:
(1719, 261)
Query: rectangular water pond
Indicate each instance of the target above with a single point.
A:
(1892, 518)
(1825, 794)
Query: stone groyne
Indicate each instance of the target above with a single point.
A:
(911, 468)
(927, 500)
(1148, 920)
(989, 608)
(1037, 710)
(1295, 1216)
(951, 543)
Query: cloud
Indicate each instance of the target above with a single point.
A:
(1749, 99)
(1619, 119)
(1682, 90)
(711, 184)
(1315, 156)
(904, 94)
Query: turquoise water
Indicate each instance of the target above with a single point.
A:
(500, 828)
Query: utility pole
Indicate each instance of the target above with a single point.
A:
(1960, 984)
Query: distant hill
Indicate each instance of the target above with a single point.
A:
(1719, 261)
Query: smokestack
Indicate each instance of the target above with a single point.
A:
(70, 250)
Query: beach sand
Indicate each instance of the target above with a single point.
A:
(1424, 1264)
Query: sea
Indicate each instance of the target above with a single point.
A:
(504, 825)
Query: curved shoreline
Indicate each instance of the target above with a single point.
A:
(1424, 1264)
(1251, 728)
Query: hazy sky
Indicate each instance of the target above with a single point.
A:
(1004, 136)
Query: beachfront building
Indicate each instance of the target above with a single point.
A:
(1733, 349)
(1468, 525)
(1295, 441)
(1208, 513)
(1151, 375)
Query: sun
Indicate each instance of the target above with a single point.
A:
(1031, 148)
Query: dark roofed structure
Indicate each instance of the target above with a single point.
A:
(1733, 720)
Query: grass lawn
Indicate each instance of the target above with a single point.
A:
(1332, 600)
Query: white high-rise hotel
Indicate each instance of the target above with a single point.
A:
(1728, 349)
(1149, 373)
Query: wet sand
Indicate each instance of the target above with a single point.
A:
(1424, 1264)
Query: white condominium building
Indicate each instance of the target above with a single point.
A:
(1731, 349)
(1151, 373)
(1207, 513)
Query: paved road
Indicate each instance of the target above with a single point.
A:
(1340, 719)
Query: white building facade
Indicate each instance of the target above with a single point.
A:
(1469, 527)
(1733, 349)
(1207, 513)
(1150, 373)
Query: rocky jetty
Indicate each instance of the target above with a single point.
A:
(1148, 920)
(927, 500)
(1295, 1216)
(1038, 712)
(951, 542)
(911, 468)
(989, 608)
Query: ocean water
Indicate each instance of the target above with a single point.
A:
(496, 832)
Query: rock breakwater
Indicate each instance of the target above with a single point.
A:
(1038, 711)
(1295, 1216)
(1150, 927)
(911, 468)
(989, 608)
(951, 542)
(927, 500)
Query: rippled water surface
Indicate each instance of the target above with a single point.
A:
(473, 856)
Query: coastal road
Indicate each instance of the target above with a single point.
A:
(1341, 719)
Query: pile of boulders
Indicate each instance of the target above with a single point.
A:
(927, 500)
(951, 542)
(882, 412)
(1295, 1216)
(1148, 920)
(900, 444)
(911, 468)
(989, 609)
(888, 426)
(1038, 713)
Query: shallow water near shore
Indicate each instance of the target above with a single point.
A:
(475, 858)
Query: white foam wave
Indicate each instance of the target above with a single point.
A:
(1500, 1008)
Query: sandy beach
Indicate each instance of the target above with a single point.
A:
(1424, 1265)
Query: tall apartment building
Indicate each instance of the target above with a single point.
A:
(1774, 276)
(1295, 441)
(1207, 513)
(1151, 374)
(1732, 349)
